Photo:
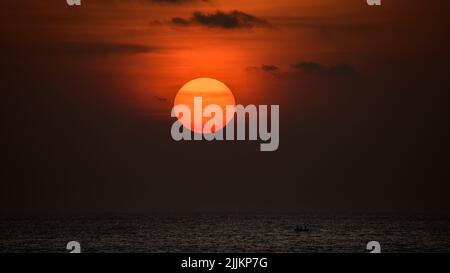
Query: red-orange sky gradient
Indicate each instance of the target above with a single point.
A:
(162, 55)
(87, 94)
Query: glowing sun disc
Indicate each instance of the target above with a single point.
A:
(211, 91)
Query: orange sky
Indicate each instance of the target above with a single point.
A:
(363, 94)
(321, 31)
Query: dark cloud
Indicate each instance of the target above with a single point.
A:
(269, 68)
(227, 20)
(340, 70)
(343, 70)
(181, 21)
(265, 69)
(310, 67)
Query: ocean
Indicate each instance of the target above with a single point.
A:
(218, 233)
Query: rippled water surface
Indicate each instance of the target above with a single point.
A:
(225, 233)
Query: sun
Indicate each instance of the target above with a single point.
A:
(212, 92)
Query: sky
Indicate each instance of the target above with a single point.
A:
(87, 93)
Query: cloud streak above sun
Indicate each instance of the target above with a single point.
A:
(83, 49)
(308, 68)
(225, 20)
(267, 68)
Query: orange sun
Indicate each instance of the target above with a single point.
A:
(212, 92)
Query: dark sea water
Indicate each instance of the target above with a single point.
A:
(225, 233)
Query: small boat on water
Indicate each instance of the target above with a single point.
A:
(301, 229)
